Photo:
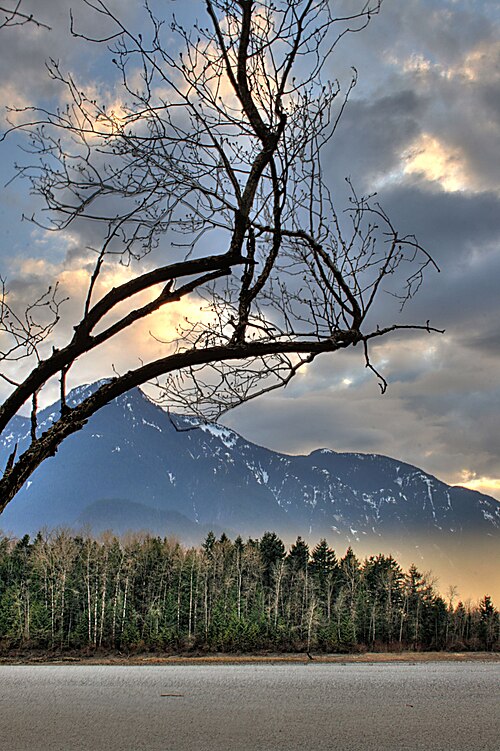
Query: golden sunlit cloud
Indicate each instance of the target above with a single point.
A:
(487, 485)
(477, 63)
(416, 63)
(148, 339)
(431, 159)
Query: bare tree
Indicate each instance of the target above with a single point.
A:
(14, 16)
(214, 162)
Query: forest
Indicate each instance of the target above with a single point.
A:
(65, 592)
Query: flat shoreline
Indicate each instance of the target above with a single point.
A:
(247, 659)
(278, 705)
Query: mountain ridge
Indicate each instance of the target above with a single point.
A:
(211, 475)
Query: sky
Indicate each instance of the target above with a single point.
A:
(422, 129)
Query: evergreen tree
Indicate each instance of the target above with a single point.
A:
(298, 555)
(142, 592)
(323, 563)
(382, 598)
(488, 623)
(272, 551)
(208, 543)
(346, 606)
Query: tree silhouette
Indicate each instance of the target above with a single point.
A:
(207, 184)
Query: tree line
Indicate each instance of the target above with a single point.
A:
(62, 591)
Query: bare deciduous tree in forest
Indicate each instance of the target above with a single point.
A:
(206, 184)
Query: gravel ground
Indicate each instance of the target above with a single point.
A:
(351, 707)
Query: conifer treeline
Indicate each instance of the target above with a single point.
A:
(72, 592)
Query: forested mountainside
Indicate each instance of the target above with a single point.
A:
(129, 468)
(60, 592)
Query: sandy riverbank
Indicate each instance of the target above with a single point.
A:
(36, 658)
(411, 706)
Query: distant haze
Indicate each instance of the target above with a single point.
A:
(130, 469)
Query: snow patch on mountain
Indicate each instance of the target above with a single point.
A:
(228, 437)
(151, 425)
(80, 393)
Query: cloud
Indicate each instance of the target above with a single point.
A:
(25, 49)
(433, 161)
(440, 411)
(487, 485)
(146, 340)
(429, 89)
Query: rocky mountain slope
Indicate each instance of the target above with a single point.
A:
(130, 468)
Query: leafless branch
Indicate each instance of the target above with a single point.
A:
(13, 16)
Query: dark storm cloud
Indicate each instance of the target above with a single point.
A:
(464, 298)
(445, 223)
(486, 341)
(375, 132)
(462, 233)
(25, 49)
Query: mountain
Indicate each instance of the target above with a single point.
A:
(131, 468)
